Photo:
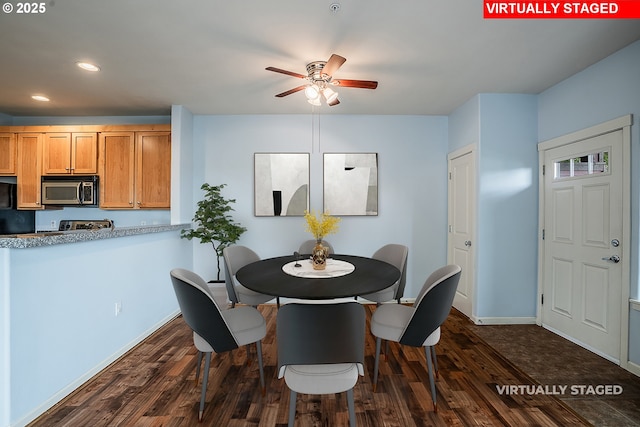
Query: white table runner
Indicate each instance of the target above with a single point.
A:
(335, 268)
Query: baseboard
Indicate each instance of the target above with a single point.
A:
(58, 397)
(503, 320)
(634, 368)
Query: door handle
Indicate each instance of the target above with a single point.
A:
(467, 243)
(613, 258)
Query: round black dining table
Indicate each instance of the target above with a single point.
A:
(266, 276)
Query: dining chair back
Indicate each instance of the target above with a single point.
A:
(418, 325)
(215, 330)
(432, 306)
(321, 350)
(397, 256)
(236, 257)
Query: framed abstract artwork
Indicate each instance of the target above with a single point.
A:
(351, 183)
(281, 184)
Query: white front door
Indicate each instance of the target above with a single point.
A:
(462, 207)
(583, 242)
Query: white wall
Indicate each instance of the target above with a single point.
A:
(412, 182)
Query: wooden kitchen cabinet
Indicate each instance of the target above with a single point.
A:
(8, 153)
(135, 170)
(67, 153)
(29, 170)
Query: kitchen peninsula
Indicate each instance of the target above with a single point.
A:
(73, 302)
(32, 240)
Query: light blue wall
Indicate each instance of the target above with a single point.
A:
(503, 129)
(464, 125)
(61, 327)
(412, 182)
(606, 90)
(507, 206)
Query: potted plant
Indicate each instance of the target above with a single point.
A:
(213, 222)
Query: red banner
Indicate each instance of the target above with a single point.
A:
(621, 9)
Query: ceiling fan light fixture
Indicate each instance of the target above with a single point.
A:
(312, 92)
(330, 95)
(315, 101)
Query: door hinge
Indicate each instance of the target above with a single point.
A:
(544, 168)
(543, 234)
(542, 299)
(449, 176)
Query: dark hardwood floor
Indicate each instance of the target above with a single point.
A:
(153, 385)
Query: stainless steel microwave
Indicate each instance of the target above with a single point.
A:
(70, 190)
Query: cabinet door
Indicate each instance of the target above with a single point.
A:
(84, 153)
(117, 162)
(7, 154)
(56, 154)
(29, 170)
(153, 174)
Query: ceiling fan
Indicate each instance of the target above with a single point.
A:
(320, 81)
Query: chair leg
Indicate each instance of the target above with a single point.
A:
(352, 409)
(292, 408)
(377, 362)
(435, 360)
(259, 350)
(427, 351)
(199, 363)
(205, 379)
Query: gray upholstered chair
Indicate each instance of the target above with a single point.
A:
(307, 246)
(214, 329)
(418, 325)
(395, 255)
(236, 257)
(320, 350)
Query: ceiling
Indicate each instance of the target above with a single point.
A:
(429, 56)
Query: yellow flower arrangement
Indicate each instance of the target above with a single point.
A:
(327, 224)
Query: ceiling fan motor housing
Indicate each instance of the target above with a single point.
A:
(314, 70)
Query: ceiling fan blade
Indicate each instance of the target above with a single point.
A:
(289, 73)
(335, 102)
(363, 84)
(290, 91)
(333, 64)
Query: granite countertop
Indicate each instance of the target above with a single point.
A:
(49, 238)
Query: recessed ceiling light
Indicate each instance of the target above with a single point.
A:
(87, 66)
(41, 98)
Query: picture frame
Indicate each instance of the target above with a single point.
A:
(350, 184)
(281, 184)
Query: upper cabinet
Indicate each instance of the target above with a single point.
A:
(153, 170)
(67, 153)
(29, 170)
(133, 161)
(8, 153)
(135, 170)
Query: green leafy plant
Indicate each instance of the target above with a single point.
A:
(213, 222)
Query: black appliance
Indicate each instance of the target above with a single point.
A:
(12, 220)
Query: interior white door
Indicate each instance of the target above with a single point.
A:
(583, 216)
(462, 207)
